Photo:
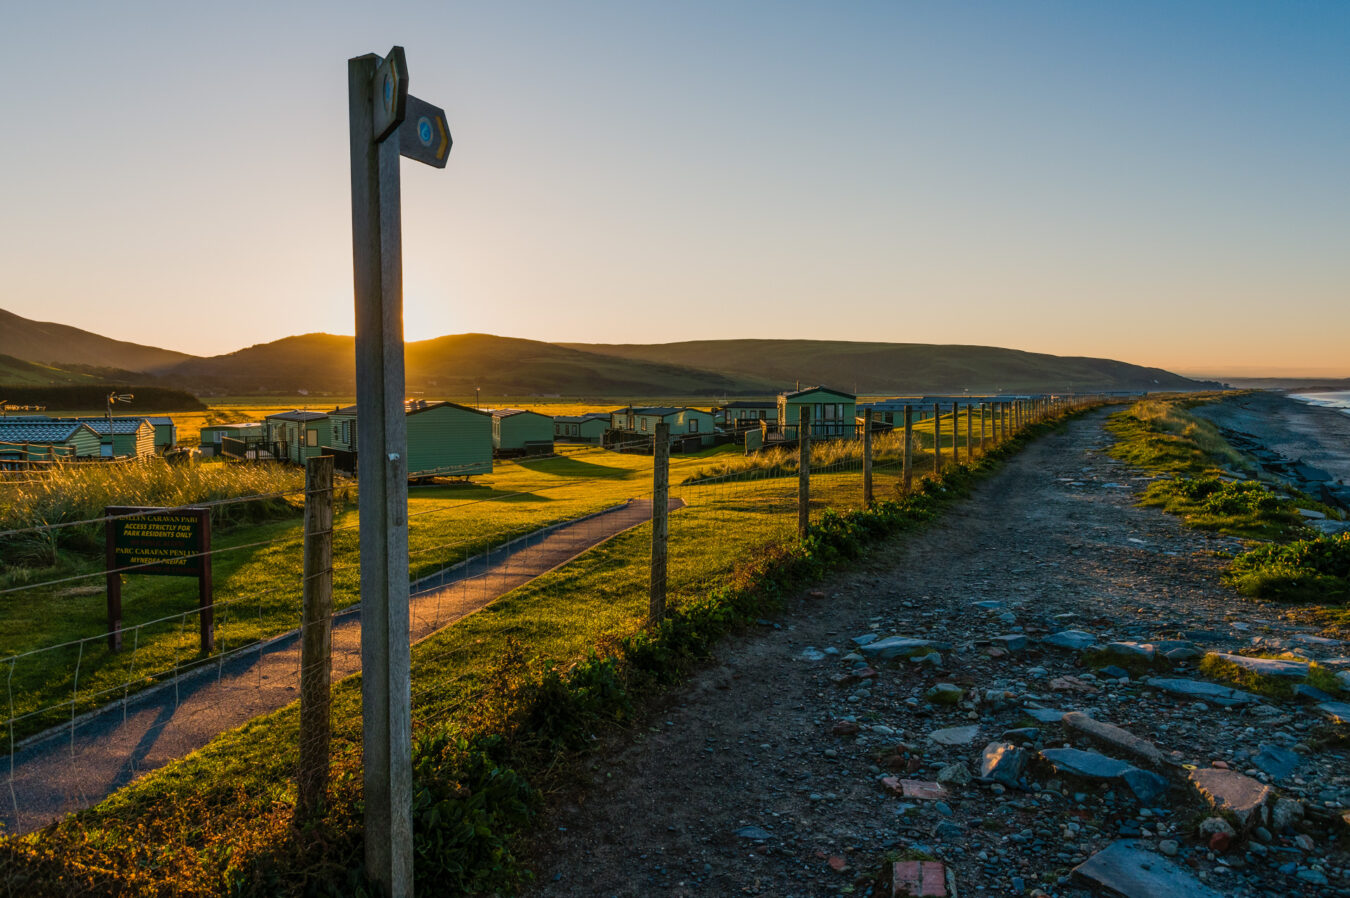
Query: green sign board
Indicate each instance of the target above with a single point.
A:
(174, 542)
(165, 543)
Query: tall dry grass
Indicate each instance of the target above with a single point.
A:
(71, 492)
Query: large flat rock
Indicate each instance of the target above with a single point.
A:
(1339, 712)
(1114, 737)
(1123, 868)
(899, 647)
(1233, 792)
(955, 735)
(1073, 640)
(1266, 667)
(1203, 690)
(1086, 764)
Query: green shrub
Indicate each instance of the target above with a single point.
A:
(1307, 570)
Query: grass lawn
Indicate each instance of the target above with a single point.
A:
(52, 645)
(207, 823)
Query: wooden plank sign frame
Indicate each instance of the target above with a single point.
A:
(159, 542)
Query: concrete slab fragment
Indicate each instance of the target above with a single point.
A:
(1124, 869)
(1233, 792)
(918, 879)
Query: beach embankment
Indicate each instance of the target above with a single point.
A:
(1305, 445)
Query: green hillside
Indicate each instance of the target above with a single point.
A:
(57, 344)
(872, 368)
(17, 372)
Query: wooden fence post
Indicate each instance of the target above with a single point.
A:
(316, 642)
(970, 436)
(867, 458)
(909, 448)
(804, 471)
(937, 439)
(656, 608)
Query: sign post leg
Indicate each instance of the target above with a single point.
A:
(382, 436)
(205, 598)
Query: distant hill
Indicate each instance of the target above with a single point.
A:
(57, 344)
(878, 368)
(37, 353)
(323, 363)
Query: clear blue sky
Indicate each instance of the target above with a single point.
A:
(1165, 183)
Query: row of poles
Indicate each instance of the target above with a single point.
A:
(999, 422)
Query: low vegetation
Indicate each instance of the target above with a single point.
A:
(1306, 570)
(501, 700)
(1293, 564)
(1249, 680)
(1238, 508)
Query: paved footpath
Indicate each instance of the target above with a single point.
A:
(77, 765)
(816, 756)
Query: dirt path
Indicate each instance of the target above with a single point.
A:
(751, 781)
(78, 765)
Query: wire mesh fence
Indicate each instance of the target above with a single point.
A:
(569, 538)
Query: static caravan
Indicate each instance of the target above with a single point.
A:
(123, 437)
(166, 433)
(24, 441)
(745, 413)
(833, 413)
(444, 439)
(212, 434)
(519, 432)
(297, 435)
(690, 428)
(588, 428)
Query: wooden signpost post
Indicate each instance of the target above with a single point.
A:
(165, 542)
(386, 123)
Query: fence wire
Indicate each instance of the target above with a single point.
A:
(567, 540)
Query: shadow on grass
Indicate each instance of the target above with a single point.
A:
(571, 467)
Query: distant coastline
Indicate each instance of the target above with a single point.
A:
(1339, 400)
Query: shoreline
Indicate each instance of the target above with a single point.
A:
(1304, 444)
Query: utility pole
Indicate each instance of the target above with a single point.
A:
(386, 123)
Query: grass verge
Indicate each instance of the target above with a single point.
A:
(1295, 564)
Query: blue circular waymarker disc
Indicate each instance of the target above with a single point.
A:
(424, 131)
(388, 90)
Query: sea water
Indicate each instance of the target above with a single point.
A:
(1339, 401)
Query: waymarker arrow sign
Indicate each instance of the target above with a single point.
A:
(424, 135)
